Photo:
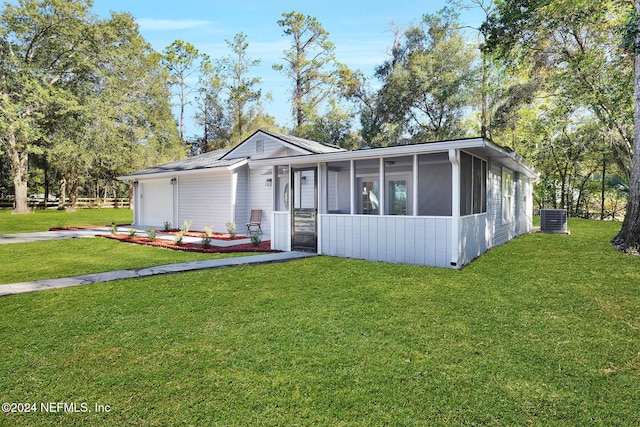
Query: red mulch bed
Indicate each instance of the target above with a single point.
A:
(83, 227)
(201, 234)
(264, 246)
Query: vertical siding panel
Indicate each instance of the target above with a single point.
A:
(372, 229)
(401, 251)
(347, 235)
(385, 238)
(442, 247)
(355, 236)
(340, 236)
(410, 245)
(421, 241)
(430, 242)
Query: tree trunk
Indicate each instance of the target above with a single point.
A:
(131, 203)
(602, 187)
(629, 237)
(20, 169)
(62, 200)
(73, 192)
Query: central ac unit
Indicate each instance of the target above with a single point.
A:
(553, 221)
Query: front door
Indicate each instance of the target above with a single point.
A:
(304, 227)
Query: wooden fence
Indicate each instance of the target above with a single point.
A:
(81, 203)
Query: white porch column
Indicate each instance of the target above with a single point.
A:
(274, 189)
(352, 166)
(454, 158)
(137, 203)
(322, 188)
(416, 185)
(381, 202)
(176, 196)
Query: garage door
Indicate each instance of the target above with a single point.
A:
(156, 200)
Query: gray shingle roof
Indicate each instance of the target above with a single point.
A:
(215, 159)
(307, 144)
(202, 161)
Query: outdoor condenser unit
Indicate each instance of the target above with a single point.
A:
(553, 220)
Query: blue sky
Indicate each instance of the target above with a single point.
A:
(360, 30)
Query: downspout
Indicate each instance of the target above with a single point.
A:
(454, 158)
(321, 203)
(382, 201)
(416, 186)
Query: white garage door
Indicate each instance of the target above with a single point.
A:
(156, 200)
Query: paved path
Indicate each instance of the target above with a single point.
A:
(87, 279)
(51, 235)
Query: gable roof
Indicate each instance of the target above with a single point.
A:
(212, 159)
(307, 145)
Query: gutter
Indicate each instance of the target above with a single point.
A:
(174, 173)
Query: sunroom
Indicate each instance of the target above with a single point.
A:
(437, 204)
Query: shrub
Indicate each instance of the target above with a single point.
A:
(114, 228)
(231, 228)
(256, 238)
(206, 242)
(179, 237)
(132, 233)
(167, 226)
(208, 231)
(152, 234)
(186, 226)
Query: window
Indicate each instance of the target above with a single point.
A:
(260, 146)
(398, 197)
(507, 195)
(473, 185)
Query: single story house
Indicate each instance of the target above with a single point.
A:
(438, 204)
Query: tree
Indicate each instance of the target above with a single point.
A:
(183, 60)
(134, 127)
(243, 96)
(577, 46)
(333, 127)
(211, 113)
(426, 81)
(307, 63)
(46, 46)
(629, 236)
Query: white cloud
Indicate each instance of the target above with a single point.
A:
(171, 24)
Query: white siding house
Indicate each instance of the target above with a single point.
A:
(439, 204)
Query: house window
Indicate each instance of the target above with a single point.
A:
(507, 195)
(260, 146)
(398, 197)
(473, 185)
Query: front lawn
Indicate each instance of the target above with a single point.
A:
(43, 220)
(544, 330)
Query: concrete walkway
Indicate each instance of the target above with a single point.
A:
(52, 235)
(87, 279)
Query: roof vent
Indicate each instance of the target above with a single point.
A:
(553, 221)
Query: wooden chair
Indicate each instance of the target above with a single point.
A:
(255, 221)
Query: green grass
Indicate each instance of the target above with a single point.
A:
(43, 220)
(542, 331)
(20, 262)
